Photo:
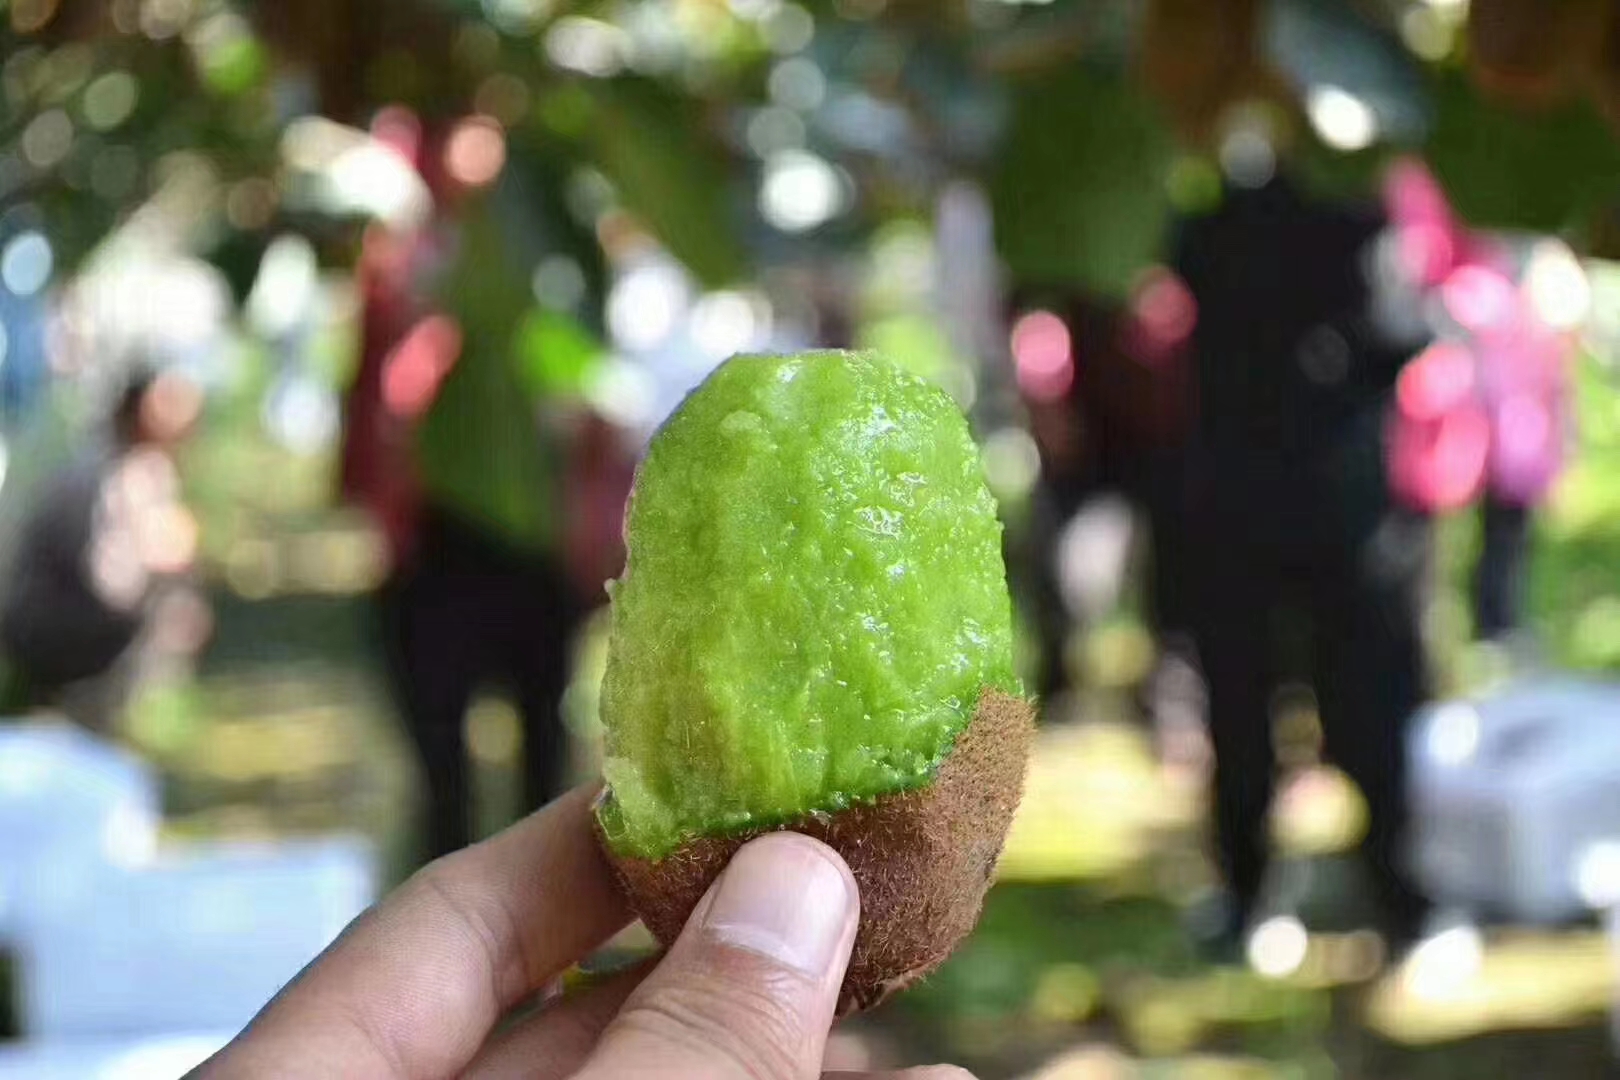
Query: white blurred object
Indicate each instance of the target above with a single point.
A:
(1278, 947)
(1445, 963)
(1094, 554)
(70, 806)
(156, 1058)
(199, 941)
(801, 191)
(1557, 285)
(967, 274)
(342, 170)
(1516, 798)
(286, 287)
(1343, 120)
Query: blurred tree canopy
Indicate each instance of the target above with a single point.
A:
(1081, 115)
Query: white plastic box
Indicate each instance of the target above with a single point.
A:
(1516, 800)
(158, 1057)
(70, 806)
(197, 941)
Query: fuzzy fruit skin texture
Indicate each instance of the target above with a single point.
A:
(923, 859)
(814, 599)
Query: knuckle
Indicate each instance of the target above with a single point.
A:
(487, 931)
(938, 1072)
(749, 1023)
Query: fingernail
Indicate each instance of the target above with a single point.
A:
(784, 897)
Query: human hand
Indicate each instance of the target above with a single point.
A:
(415, 987)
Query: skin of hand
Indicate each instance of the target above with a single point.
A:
(416, 986)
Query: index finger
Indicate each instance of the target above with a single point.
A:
(413, 987)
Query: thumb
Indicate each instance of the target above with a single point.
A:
(750, 987)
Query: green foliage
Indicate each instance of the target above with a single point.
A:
(653, 146)
(1548, 169)
(1079, 186)
(556, 356)
(1575, 572)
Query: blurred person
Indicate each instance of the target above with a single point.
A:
(1524, 386)
(1484, 415)
(469, 466)
(442, 978)
(1299, 541)
(1106, 388)
(107, 534)
(1485, 419)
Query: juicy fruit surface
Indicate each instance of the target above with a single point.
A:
(814, 600)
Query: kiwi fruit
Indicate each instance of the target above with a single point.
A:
(813, 632)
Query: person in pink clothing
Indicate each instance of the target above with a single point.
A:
(1523, 389)
(1483, 415)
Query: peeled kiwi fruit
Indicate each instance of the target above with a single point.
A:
(813, 632)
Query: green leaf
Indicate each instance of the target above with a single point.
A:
(1545, 170)
(668, 172)
(1079, 190)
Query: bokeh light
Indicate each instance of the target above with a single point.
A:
(1441, 445)
(1043, 355)
(303, 415)
(162, 19)
(788, 28)
(48, 139)
(774, 129)
(1163, 316)
(1012, 463)
(517, 17)
(1445, 964)
(1247, 156)
(1454, 732)
(475, 153)
(398, 129)
(645, 304)
(1436, 381)
(1426, 32)
(559, 283)
(1343, 120)
(26, 263)
(797, 83)
(1478, 297)
(285, 287)
(1426, 252)
(800, 191)
(587, 46)
(1278, 946)
(1524, 427)
(725, 323)
(110, 99)
(1597, 875)
(1557, 286)
(418, 364)
(171, 407)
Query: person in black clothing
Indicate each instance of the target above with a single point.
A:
(1292, 518)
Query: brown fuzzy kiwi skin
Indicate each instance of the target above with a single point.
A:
(923, 859)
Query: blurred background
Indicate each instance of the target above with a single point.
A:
(330, 333)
